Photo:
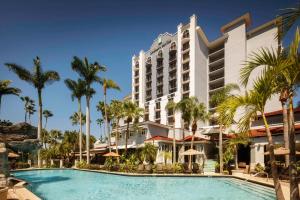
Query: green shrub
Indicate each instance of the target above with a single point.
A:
(82, 165)
(177, 167)
(259, 168)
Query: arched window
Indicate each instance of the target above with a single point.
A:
(160, 54)
(148, 60)
(186, 34)
(173, 46)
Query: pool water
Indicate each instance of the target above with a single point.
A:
(81, 185)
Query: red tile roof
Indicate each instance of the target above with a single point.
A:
(196, 138)
(261, 132)
(160, 138)
(279, 112)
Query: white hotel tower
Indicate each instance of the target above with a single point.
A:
(186, 64)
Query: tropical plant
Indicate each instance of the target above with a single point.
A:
(131, 113)
(105, 110)
(284, 67)
(39, 79)
(47, 114)
(75, 119)
(252, 103)
(88, 72)
(31, 110)
(287, 18)
(148, 152)
(217, 99)
(171, 107)
(117, 112)
(28, 105)
(78, 91)
(6, 90)
(108, 84)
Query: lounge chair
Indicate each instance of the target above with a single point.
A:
(148, 169)
(186, 169)
(141, 168)
(169, 169)
(160, 169)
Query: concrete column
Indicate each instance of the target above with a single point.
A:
(29, 163)
(61, 163)
(257, 155)
(44, 163)
(180, 157)
(51, 162)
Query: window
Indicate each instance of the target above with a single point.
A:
(136, 80)
(149, 60)
(186, 66)
(157, 115)
(159, 63)
(131, 133)
(160, 54)
(148, 69)
(157, 105)
(149, 77)
(185, 46)
(148, 85)
(173, 46)
(159, 80)
(143, 132)
(186, 87)
(186, 34)
(186, 77)
(160, 89)
(148, 93)
(185, 56)
(136, 88)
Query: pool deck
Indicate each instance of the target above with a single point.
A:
(22, 193)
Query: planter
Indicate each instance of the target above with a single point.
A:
(3, 193)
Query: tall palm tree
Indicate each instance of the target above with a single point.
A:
(131, 112)
(27, 104)
(171, 107)
(6, 90)
(100, 122)
(254, 102)
(31, 110)
(39, 79)
(78, 91)
(105, 111)
(193, 112)
(117, 114)
(47, 114)
(285, 68)
(75, 119)
(108, 84)
(216, 99)
(88, 72)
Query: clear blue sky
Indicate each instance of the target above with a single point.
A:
(109, 32)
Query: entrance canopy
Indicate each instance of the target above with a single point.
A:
(191, 152)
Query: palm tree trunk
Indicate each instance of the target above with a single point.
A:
(106, 119)
(277, 186)
(294, 190)
(126, 137)
(87, 127)
(40, 125)
(192, 144)
(236, 156)
(46, 119)
(80, 131)
(285, 130)
(25, 116)
(117, 136)
(221, 149)
(174, 146)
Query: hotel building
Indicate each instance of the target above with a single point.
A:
(186, 64)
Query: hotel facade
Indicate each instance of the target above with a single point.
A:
(186, 64)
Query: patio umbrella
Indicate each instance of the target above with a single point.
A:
(281, 151)
(191, 152)
(13, 155)
(111, 154)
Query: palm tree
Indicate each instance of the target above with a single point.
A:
(78, 90)
(100, 122)
(284, 67)
(39, 79)
(75, 119)
(149, 152)
(254, 102)
(101, 108)
(287, 18)
(27, 103)
(196, 112)
(108, 84)
(117, 112)
(47, 114)
(6, 90)
(31, 110)
(171, 107)
(131, 112)
(216, 99)
(88, 72)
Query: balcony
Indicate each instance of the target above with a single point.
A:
(172, 90)
(173, 48)
(216, 63)
(172, 77)
(172, 60)
(185, 67)
(159, 57)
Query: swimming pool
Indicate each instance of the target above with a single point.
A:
(81, 185)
